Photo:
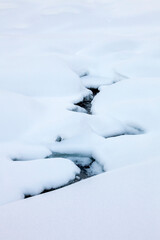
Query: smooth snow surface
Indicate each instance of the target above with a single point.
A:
(39, 76)
(79, 93)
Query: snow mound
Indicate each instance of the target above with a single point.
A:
(122, 58)
(133, 101)
(39, 76)
(121, 204)
(20, 178)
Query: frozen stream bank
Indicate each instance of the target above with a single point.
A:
(87, 164)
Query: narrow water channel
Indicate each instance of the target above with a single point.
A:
(87, 164)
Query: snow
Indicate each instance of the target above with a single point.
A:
(28, 126)
(18, 113)
(96, 82)
(126, 150)
(39, 76)
(118, 59)
(134, 102)
(121, 204)
(51, 52)
(32, 177)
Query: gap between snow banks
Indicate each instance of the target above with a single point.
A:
(87, 101)
(87, 164)
(88, 168)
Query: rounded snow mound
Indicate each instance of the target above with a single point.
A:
(39, 76)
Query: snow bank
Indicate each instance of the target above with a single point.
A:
(127, 150)
(121, 58)
(133, 101)
(33, 177)
(122, 204)
(18, 113)
(89, 132)
(122, 108)
(39, 76)
(46, 47)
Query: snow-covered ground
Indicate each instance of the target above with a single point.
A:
(121, 204)
(52, 56)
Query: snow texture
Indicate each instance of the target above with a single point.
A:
(54, 56)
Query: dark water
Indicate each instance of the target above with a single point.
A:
(88, 169)
(87, 102)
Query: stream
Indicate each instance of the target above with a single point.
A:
(88, 165)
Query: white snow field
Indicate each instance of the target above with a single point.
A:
(79, 96)
(121, 204)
